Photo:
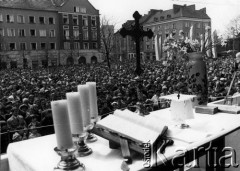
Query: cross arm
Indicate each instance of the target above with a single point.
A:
(124, 32)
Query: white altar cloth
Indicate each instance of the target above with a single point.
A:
(38, 154)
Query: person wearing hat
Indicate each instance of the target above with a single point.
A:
(23, 110)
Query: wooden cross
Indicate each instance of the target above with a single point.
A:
(137, 33)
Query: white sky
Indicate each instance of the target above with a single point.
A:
(119, 11)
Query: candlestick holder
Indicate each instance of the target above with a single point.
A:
(91, 137)
(83, 149)
(68, 160)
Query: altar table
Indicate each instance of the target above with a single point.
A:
(38, 154)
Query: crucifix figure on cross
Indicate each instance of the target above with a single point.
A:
(137, 33)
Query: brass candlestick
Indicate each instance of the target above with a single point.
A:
(91, 137)
(83, 149)
(68, 160)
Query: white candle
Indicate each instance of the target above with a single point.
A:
(75, 113)
(93, 99)
(61, 124)
(84, 100)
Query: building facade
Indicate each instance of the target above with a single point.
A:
(43, 33)
(164, 23)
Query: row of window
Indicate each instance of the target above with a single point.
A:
(66, 45)
(11, 32)
(10, 18)
(33, 46)
(76, 34)
(186, 24)
(75, 20)
(44, 46)
(162, 18)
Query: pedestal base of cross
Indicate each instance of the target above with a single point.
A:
(137, 33)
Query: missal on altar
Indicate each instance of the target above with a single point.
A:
(132, 126)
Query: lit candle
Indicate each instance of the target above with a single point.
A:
(93, 99)
(75, 113)
(84, 100)
(61, 124)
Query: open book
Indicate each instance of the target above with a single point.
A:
(133, 126)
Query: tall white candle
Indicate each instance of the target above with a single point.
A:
(61, 124)
(93, 99)
(75, 113)
(84, 100)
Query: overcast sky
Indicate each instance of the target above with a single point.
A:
(118, 11)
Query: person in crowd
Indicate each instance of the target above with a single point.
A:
(33, 132)
(155, 99)
(16, 120)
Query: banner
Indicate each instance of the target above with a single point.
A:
(157, 47)
(160, 47)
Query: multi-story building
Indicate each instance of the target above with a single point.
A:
(163, 23)
(43, 33)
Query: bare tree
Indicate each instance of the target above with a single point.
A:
(107, 38)
(233, 28)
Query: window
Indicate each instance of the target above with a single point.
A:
(12, 46)
(169, 16)
(76, 34)
(32, 32)
(66, 34)
(94, 34)
(85, 34)
(51, 20)
(76, 45)
(162, 18)
(11, 32)
(75, 20)
(52, 46)
(147, 46)
(43, 46)
(1, 18)
(21, 33)
(51, 33)
(20, 19)
(33, 46)
(85, 21)
(1, 46)
(94, 45)
(76, 9)
(65, 19)
(31, 19)
(198, 25)
(1, 32)
(41, 20)
(42, 33)
(10, 18)
(66, 45)
(174, 26)
(205, 25)
(94, 22)
(187, 24)
(83, 10)
(22, 46)
(155, 19)
(85, 46)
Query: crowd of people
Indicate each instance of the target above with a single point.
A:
(25, 94)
